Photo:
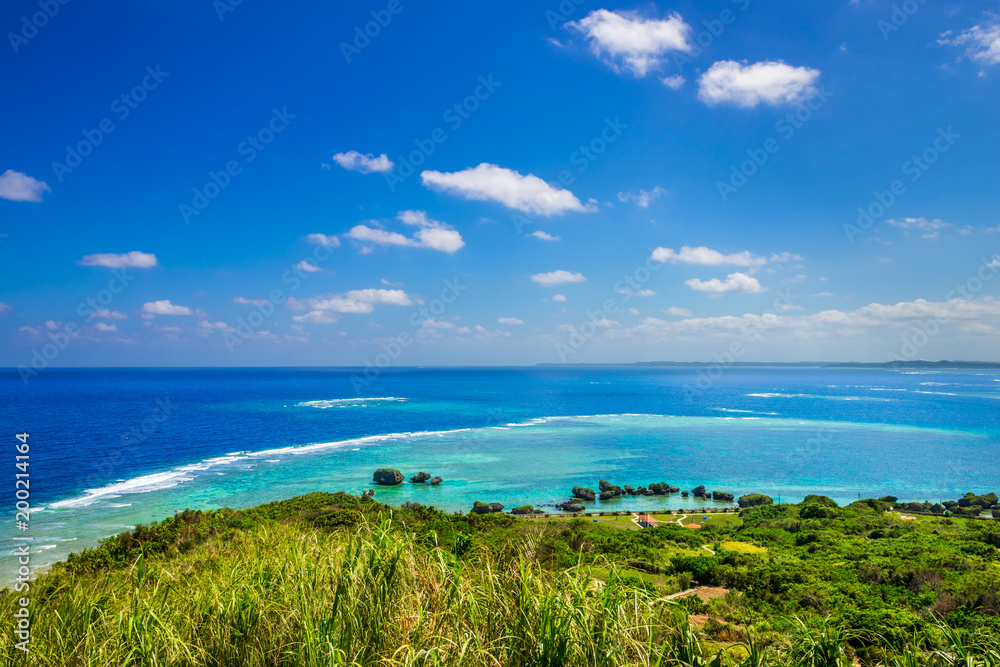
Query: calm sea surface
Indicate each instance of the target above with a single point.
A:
(112, 448)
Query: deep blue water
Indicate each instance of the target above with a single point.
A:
(110, 448)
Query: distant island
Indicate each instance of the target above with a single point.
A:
(891, 365)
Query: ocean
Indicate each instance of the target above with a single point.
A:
(112, 448)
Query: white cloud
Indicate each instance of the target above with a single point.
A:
(5, 308)
(308, 267)
(214, 326)
(558, 277)
(164, 307)
(734, 282)
(134, 260)
(993, 230)
(17, 186)
(823, 294)
(378, 236)
(366, 164)
(488, 182)
(438, 324)
(784, 257)
(625, 40)
(995, 264)
(981, 42)
(559, 297)
(674, 82)
(106, 314)
(707, 257)
(101, 326)
(392, 297)
(981, 329)
(431, 234)
(328, 241)
(931, 228)
(678, 311)
(545, 237)
(646, 292)
(642, 199)
(316, 317)
(513, 321)
(969, 315)
(747, 86)
(355, 301)
(250, 302)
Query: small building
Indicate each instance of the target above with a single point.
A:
(647, 521)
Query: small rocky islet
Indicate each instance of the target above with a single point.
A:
(392, 477)
(969, 505)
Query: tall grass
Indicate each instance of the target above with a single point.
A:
(287, 595)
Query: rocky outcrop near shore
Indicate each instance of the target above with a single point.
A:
(584, 493)
(570, 506)
(755, 499)
(420, 477)
(486, 508)
(698, 491)
(434, 481)
(722, 496)
(387, 477)
(523, 509)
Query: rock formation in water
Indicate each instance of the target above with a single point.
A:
(387, 477)
(420, 477)
(570, 506)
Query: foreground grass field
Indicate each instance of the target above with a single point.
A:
(329, 579)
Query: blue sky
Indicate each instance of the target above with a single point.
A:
(198, 183)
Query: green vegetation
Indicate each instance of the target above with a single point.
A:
(330, 579)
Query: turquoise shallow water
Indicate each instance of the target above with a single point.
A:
(515, 437)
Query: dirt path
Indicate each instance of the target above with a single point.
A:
(690, 591)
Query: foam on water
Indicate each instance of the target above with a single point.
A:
(349, 402)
